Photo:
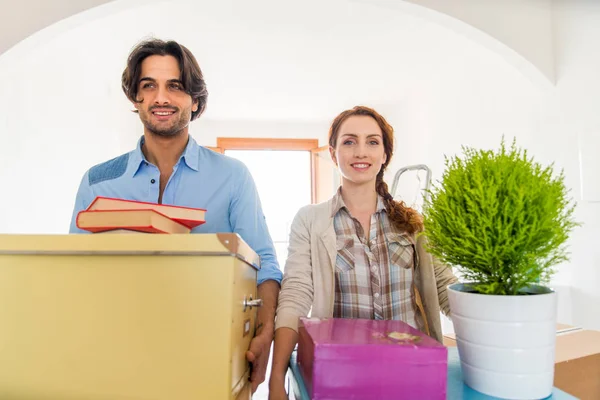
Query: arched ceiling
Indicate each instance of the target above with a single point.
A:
(521, 32)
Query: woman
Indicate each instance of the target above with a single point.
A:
(358, 255)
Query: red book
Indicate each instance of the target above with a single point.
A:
(150, 221)
(190, 217)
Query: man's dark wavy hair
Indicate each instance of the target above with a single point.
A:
(191, 74)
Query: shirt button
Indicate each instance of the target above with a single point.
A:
(374, 268)
(153, 180)
(376, 295)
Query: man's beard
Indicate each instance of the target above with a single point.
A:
(165, 130)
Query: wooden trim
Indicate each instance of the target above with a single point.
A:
(215, 149)
(266, 144)
(314, 177)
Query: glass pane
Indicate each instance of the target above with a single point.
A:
(283, 180)
(282, 251)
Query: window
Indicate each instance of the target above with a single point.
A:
(283, 172)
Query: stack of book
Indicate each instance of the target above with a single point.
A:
(111, 215)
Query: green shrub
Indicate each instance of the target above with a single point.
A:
(500, 218)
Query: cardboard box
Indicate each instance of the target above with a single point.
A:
(126, 316)
(577, 365)
(577, 368)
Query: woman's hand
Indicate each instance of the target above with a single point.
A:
(277, 387)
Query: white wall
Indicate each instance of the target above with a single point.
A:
(208, 130)
(572, 114)
(287, 74)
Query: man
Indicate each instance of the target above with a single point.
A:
(167, 88)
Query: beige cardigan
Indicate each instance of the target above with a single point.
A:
(309, 279)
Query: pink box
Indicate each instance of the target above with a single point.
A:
(366, 359)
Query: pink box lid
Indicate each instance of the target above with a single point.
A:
(334, 337)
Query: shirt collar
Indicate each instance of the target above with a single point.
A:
(137, 157)
(189, 156)
(338, 203)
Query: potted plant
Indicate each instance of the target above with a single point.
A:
(502, 220)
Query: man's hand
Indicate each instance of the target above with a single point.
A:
(258, 355)
(260, 346)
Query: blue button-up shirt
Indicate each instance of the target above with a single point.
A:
(202, 178)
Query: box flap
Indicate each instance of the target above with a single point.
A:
(577, 344)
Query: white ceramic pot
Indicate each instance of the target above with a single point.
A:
(506, 343)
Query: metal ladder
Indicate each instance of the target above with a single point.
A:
(423, 191)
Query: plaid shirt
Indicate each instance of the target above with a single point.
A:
(374, 278)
